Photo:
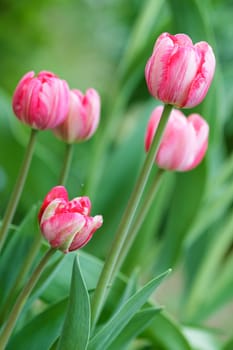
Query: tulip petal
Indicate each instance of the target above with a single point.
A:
(85, 234)
(201, 132)
(57, 192)
(60, 229)
(181, 71)
(83, 117)
(184, 142)
(203, 79)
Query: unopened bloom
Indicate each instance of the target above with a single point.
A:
(179, 72)
(184, 142)
(41, 101)
(83, 117)
(67, 225)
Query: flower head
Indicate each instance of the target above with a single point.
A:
(82, 119)
(179, 72)
(67, 225)
(184, 142)
(41, 101)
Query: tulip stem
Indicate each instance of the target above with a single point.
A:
(66, 164)
(143, 211)
(109, 269)
(17, 191)
(22, 298)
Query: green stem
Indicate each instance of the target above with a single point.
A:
(34, 249)
(16, 193)
(143, 211)
(123, 229)
(22, 298)
(66, 164)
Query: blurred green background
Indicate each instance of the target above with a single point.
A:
(105, 44)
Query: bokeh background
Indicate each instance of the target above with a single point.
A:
(105, 44)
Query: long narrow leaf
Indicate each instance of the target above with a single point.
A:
(136, 326)
(112, 329)
(42, 330)
(76, 329)
(164, 333)
(17, 247)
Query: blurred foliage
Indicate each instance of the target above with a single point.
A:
(105, 44)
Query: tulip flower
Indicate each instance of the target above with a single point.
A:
(67, 225)
(41, 101)
(82, 119)
(179, 72)
(184, 142)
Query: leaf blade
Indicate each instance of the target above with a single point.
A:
(115, 325)
(76, 328)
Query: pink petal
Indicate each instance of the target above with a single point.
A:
(204, 77)
(201, 132)
(80, 205)
(83, 117)
(60, 229)
(57, 192)
(184, 142)
(86, 233)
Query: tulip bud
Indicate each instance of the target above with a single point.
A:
(179, 72)
(41, 101)
(184, 142)
(66, 224)
(82, 119)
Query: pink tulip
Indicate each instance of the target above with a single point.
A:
(178, 72)
(41, 101)
(184, 142)
(66, 224)
(82, 119)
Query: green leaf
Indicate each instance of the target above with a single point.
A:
(211, 213)
(108, 333)
(228, 345)
(166, 334)
(42, 330)
(185, 204)
(222, 291)
(194, 18)
(209, 268)
(144, 27)
(76, 329)
(130, 289)
(17, 248)
(45, 279)
(54, 345)
(139, 322)
(223, 174)
(60, 282)
(202, 339)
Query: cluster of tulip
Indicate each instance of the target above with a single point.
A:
(179, 74)
(46, 102)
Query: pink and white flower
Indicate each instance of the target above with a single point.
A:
(41, 101)
(179, 72)
(67, 225)
(83, 117)
(184, 142)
